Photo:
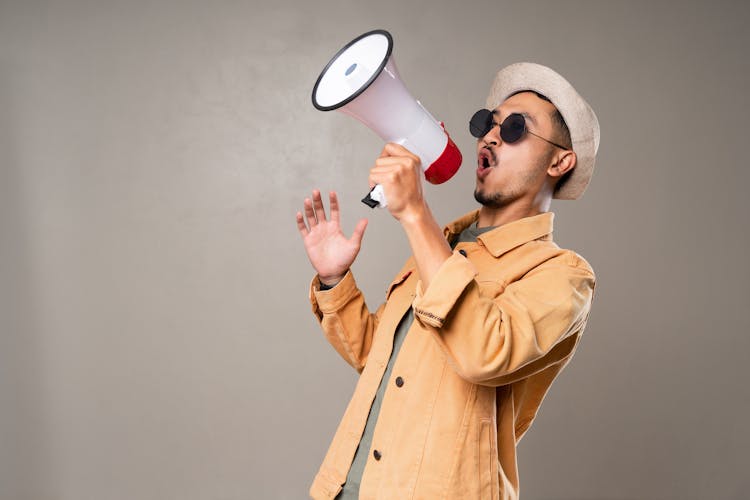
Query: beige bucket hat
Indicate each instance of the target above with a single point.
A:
(578, 115)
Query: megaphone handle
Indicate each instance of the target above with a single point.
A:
(375, 198)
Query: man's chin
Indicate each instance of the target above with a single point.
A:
(494, 200)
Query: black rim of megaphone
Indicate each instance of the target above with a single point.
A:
(363, 87)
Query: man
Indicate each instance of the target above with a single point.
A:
(480, 320)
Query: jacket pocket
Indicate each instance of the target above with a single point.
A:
(487, 460)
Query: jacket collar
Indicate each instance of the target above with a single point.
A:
(509, 235)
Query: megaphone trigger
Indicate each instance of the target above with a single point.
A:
(375, 198)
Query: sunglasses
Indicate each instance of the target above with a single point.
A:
(511, 130)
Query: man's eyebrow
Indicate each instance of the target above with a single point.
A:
(522, 113)
(531, 118)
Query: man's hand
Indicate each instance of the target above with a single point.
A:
(399, 171)
(329, 251)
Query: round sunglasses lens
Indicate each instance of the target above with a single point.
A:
(480, 123)
(512, 128)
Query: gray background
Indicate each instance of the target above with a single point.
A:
(155, 336)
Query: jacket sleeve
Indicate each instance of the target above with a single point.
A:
(493, 339)
(346, 322)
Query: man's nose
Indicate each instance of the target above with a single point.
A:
(492, 137)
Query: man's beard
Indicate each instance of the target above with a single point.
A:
(494, 200)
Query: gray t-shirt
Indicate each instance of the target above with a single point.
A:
(354, 477)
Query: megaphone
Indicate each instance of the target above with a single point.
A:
(362, 81)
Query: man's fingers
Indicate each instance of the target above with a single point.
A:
(393, 168)
(396, 163)
(320, 212)
(334, 201)
(301, 225)
(388, 163)
(359, 231)
(393, 149)
(381, 176)
(310, 214)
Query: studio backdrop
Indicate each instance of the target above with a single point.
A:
(156, 339)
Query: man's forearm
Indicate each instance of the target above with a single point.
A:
(428, 244)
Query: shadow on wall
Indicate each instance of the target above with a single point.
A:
(24, 427)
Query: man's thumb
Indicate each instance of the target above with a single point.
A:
(359, 230)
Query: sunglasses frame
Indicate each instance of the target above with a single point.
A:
(504, 127)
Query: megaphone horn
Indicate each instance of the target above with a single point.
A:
(362, 81)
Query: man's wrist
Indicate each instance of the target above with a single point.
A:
(328, 283)
(415, 216)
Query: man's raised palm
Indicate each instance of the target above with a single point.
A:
(329, 250)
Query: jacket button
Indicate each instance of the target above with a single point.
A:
(462, 252)
(399, 381)
(376, 454)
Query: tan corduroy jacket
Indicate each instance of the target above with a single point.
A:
(500, 319)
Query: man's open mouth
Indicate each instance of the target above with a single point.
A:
(484, 159)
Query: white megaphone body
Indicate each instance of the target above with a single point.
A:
(362, 81)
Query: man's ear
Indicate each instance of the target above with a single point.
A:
(563, 162)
